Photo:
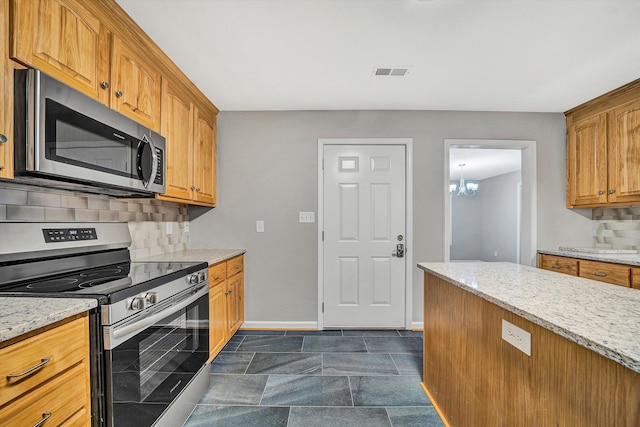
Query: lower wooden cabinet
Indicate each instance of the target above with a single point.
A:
(47, 376)
(616, 274)
(226, 302)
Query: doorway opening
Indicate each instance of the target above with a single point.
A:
(497, 220)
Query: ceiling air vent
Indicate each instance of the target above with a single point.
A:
(390, 71)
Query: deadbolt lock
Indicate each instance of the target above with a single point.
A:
(400, 237)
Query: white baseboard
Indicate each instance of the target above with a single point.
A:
(279, 325)
(417, 326)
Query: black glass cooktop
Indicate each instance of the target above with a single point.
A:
(126, 277)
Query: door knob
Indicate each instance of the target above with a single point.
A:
(399, 252)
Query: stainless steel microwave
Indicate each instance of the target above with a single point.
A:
(65, 139)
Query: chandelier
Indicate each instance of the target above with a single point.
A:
(463, 189)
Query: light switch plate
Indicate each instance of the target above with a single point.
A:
(259, 226)
(169, 228)
(306, 217)
(519, 338)
(186, 227)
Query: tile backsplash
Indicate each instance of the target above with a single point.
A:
(147, 218)
(617, 227)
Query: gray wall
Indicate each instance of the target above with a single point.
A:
(466, 227)
(267, 170)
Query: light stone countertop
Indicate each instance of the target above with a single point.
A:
(212, 256)
(596, 315)
(626, 259)
(19, 315)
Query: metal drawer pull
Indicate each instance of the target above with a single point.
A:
(43, 362)
(216, 277)
(45, 417)
(237, 266)
(556, 266)
(600, 274)
(228, 292)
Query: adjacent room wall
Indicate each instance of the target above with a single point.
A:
(267, 170)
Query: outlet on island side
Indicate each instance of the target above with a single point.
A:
(519, 338)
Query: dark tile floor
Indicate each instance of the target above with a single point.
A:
(346, 378)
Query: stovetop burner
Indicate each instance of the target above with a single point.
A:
(54, 285)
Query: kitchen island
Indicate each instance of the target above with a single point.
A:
(584, 362)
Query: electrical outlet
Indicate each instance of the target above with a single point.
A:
(309, 217)
(259, 226)
(519, 338)
(186, 227)
(169, 228)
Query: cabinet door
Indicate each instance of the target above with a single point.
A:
(235, 301)
(62, 39)
(6, 89)
(177, 128)
(136, 87)
(624, 153)
(587, 162)
(204, 159)
(217, 318)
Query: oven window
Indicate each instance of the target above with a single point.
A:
(78, 140)
(148, 371)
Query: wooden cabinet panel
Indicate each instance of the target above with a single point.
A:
(62, 39)
(64, 346)
(624, 153)
(235, 265)
(235, 302)
(6, 91)
(605, 272)
(204, 158)
(136, 86)
(635, 278)
(559, 264)
(177, 128)
(587, 162)
(217, 316)
(62, 397)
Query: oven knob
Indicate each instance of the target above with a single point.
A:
(193, 279)
(151, 297)
(137, 303)
(202, 277)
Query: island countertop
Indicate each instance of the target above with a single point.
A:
(19, 315)
(595, 315)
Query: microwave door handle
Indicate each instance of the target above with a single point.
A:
(146, 141)
(115, 335)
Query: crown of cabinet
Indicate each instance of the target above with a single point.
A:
(603, 150)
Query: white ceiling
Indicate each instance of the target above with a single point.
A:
(483, 163)
(477, 55)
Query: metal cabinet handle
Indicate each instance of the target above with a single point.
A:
(104, 85)
(216, 277)
(197, 190)
(3, 138)
(556, 266)
(600, 193)
(43, 362)
(237, 266)
(600, 274)
(118, 93)
(193, 188)
(611, 191)
(228, 292)
(45, 417)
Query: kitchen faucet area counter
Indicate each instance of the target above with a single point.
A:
(583, 365)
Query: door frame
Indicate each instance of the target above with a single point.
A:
(408, 144)
(528, 207)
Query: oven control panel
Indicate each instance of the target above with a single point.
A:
(55, 235)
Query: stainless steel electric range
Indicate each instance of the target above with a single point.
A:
(150, 332)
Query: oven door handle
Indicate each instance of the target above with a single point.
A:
(115, 335)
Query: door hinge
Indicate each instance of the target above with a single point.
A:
(323, 307)
(323, 235)
(322, 164)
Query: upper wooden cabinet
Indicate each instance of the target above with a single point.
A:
(63, 39)
(603, 150)
(135, 87)
(6, 91)
(191, 146)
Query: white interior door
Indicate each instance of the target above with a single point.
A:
(364, 221)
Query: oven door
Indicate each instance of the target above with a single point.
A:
(151, 357)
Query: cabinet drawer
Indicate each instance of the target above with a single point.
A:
(560, 264)
(235, 265)
(64, 346)
(217, 273)
(605, 272)
(63, 396)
